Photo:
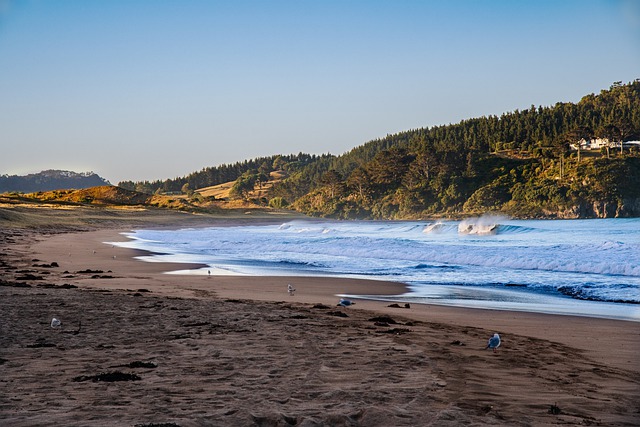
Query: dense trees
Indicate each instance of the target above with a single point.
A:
(519, 162)
(220, 174)
(50, 180)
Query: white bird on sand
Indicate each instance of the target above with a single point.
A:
(291, 289)
(345, 302)
(55, 323)
(494, 342)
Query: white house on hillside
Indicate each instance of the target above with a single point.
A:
(591, 144)
(598, 143)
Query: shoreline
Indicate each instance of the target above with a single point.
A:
(238, 350)
(312, 290)
(461, 296)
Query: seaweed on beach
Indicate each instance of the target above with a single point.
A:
(29, 276)
(41, 345)
(158, 425)
(394, 305)
(54, 286)
(108, 377)
(140, 364)
(383, 319)
(14, 284)
(338, 313)
(52, 265)
(555, 410)
(194, 324)
(296, 316)
(396, 331)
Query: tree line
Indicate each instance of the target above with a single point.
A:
(519, 163)
(215, 175)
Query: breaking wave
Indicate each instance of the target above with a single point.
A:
(596, 260)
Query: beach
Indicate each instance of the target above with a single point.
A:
(141, 347)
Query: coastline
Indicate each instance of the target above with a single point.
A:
(238, 350)
(131, 273)
(448, 268)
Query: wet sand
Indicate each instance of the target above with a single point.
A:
(139, 347)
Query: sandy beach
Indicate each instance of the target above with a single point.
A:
(140, 347)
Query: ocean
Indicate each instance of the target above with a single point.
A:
(575, 267)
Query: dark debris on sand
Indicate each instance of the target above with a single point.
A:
(140, 364)
(158, 425)
(108, 377)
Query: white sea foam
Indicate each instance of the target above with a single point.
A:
(584, 259)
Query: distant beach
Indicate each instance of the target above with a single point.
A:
(138, 347)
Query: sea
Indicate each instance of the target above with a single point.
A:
(573, 267)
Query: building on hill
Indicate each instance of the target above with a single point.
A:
(598, 143)
(591, 144)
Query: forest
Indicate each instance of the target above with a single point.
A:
(519, 163)
(50, 180)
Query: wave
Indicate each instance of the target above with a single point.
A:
(300, 263)
(554, 257)
(438, 228)
(485, 225)
(515, 229)
(612, 292)
(434, 267)
(621, 293)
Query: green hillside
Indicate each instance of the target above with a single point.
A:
(519, 163)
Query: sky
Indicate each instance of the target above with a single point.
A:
(156, 89)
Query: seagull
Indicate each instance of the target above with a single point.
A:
(291, 289)
(55, 323)
(345, 302)
(494, 342)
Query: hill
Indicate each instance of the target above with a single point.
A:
(519, 163)
(108, 196)
(258, 190)
(49, 180)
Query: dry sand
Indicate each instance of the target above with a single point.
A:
(197, 350)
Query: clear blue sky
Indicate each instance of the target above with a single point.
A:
(138, 90)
